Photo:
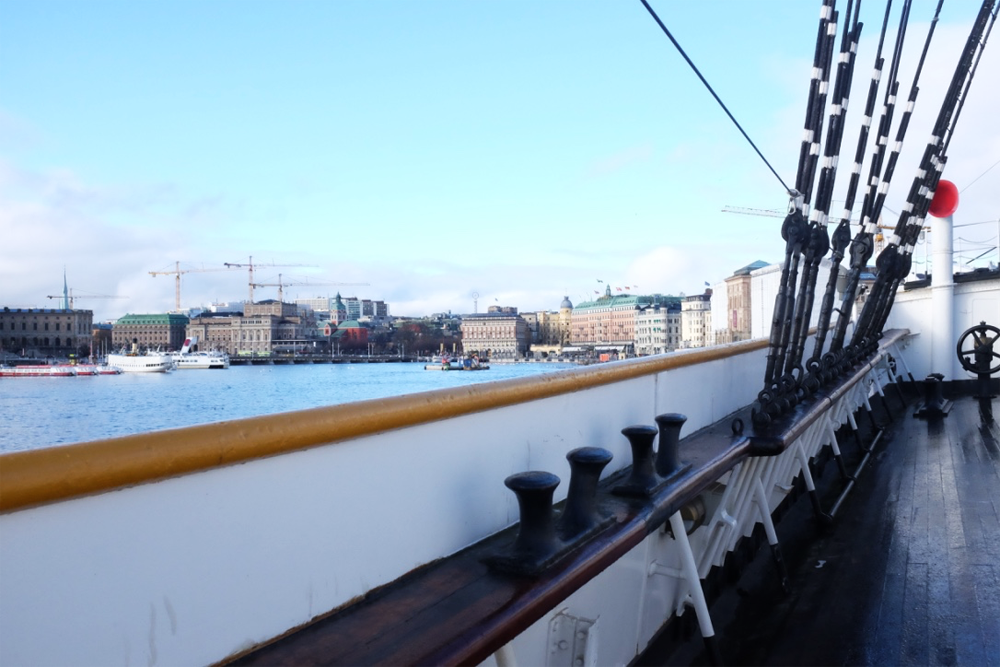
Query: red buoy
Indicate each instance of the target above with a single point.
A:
(945, 200)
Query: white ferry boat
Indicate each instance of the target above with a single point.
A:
(146, 362)
(186, 359)
(192, 360)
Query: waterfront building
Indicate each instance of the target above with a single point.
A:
(607, 323)
(731, 312)
(46, 332)
(696, 320)
(164, 331)
(349, 335)
(214, 331)
(264, 327)
(495, 334)
(554, 328)
(531, 319)
(658, 328)
(101, 338)
(272, 326)
(551, 329)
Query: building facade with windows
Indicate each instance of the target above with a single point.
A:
(264, 327)
(732, 311)
(151, 331)
(696, 320)
(658, 328)
(46, 332)
(496, 335)
(607, 322)
(353, 307)
(554, 327)
(213, 331)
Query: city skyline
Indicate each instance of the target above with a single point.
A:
(517, 151)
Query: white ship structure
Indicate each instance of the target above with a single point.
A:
(572, 518)
(202, 359)
(136, 361)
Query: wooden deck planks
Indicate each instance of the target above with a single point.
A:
(914, 556)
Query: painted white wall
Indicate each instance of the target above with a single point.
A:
(195, 568)
(973, 303)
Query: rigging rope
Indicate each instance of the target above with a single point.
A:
(978, 177)
(717, 99)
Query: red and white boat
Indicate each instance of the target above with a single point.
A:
(37, 371)
(58, 370)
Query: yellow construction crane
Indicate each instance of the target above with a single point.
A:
(250, 265)
(177, 284)
(282, 285)
(82, 296)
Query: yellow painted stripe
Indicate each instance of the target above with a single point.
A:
(55, 473)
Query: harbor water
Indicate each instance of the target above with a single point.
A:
(46, 411)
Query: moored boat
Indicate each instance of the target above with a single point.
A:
(96, 369)
(41, 370)
(193, 360)
(186, 359)
(136, 362)
(453, 364)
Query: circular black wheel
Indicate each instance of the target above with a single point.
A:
(979, 342)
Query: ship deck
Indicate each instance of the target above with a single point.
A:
(908, 574)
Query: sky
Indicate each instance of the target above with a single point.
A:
(440, 156)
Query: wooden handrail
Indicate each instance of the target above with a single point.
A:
(457, 611)
(50, 474)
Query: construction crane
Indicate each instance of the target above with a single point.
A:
(282, 285)
(250, 265)
(82, 296)
(177, 284)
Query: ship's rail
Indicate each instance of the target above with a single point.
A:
(195, 544)
(646, 564)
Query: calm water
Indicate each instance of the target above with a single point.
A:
(39, 412)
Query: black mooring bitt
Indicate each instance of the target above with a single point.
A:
(667, 460)
(536, 536)
(934, 405)
(642, 480)
(541, 539)
(580, 514)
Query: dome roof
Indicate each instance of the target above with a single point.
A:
(566, 303)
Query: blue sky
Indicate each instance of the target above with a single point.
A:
(518, 150)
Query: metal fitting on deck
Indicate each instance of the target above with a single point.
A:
(642, 480)
(667, 461)
(580, 514)
(536, 538)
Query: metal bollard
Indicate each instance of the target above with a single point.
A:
(536, 538)
(667, 462)
(580, 514)
(642, 480)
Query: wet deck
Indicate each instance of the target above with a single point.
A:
(909, 574)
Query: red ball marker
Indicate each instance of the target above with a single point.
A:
(945, 200)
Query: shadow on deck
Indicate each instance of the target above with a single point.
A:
(909, 573)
